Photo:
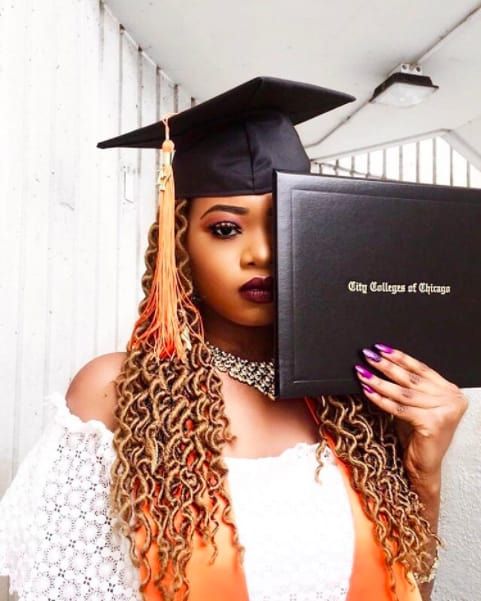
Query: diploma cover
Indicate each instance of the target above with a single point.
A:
(359, 262)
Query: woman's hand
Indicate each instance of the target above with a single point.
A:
(427, 407)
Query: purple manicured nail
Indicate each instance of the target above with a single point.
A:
(384, 348)
(371, 354)
(363, 371)
(367, 388)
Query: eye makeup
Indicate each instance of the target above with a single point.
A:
(221, 226)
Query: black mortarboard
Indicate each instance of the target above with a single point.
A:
(230, 144)
(226, 146)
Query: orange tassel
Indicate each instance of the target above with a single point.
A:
(167, 296)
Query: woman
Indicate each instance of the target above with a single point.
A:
(206, 466)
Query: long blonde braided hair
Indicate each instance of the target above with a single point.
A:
(168, 411)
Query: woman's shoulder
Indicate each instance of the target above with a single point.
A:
(92, 394)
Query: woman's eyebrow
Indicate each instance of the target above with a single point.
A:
(230, 209)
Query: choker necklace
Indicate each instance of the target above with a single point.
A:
(259, 374)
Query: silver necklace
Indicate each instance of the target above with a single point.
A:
(259, 374)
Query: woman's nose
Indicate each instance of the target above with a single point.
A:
(259, 250)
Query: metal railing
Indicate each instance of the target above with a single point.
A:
(432, 160)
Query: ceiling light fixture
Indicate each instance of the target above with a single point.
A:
(405, 87)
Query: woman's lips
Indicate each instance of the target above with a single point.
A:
(258, 290)
(258, 283)
(257, 296)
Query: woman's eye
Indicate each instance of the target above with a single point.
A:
(224, 229)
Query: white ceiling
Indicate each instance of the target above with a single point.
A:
(209, 46)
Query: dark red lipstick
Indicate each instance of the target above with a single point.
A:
(258, 290)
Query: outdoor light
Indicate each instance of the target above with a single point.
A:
(405, 87)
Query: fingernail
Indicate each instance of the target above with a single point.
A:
(384, 348)
(363, 371)
(371, 354)
(367, 388)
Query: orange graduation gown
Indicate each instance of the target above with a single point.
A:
(224, 580)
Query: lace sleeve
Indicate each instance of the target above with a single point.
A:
(57, 540)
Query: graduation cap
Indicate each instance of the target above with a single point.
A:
(230, 144)
(226, 146)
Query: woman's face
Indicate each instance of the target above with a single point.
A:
(229, 240)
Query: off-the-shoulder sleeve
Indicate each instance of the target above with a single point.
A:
(57, 540)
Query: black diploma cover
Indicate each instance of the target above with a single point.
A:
(359, 262)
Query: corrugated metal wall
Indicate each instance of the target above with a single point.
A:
(74, 219)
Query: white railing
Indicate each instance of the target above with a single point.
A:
(432, 161)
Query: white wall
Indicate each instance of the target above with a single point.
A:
(459, 574)
(74, 219)
(73, 231)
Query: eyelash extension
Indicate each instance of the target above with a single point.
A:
(214, 228)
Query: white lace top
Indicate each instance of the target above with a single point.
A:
(57, 541)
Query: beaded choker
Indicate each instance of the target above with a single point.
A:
(259, 374)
